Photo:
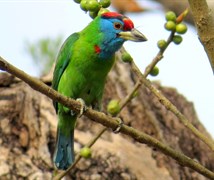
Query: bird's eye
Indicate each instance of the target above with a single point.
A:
(117, 25)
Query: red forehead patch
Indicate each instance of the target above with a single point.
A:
(111, 15)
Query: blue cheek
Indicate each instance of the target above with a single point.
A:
(110, 43)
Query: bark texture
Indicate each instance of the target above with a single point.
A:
(204, 22)
(28, 129)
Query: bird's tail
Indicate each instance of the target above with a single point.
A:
(64, 151)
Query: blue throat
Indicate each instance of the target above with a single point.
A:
(108, 49)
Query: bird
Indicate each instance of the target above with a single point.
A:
(82, 66)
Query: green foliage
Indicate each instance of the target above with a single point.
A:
(44, 52)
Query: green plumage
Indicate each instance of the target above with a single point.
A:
(79, 75)
(81, 69)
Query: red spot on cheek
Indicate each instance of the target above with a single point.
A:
(97, 49)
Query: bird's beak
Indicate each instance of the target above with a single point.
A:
(133, 35)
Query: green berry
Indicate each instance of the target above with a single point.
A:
(181, 28)
(177, 39)
(102, 10)
(113, 107)
(154, 71)
(126, 57)
(162, 44)
(85, 152)
(170, 25)
(105, 3)
(77, 1)
(93, 14)
(170, 16)
(83, 5)
(92, 5)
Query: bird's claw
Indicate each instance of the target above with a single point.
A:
(83, 107)
(120, 124)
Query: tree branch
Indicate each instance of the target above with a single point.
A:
(105, 120)
(204, 22)
(164, 101)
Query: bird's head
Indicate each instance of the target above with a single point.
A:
(116, 29)
(121, 27)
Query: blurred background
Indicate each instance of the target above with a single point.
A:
(32, 32)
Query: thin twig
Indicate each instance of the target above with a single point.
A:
(148, 69)
(129, 97)
(159, 55)
(164, 101)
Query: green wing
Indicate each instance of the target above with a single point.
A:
(63, 60)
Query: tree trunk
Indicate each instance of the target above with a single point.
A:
(28, 130)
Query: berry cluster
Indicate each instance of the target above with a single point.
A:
(175, 25)
(94, 7)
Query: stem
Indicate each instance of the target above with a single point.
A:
(159, 55)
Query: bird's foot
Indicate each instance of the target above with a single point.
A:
(120, 124)
(83, 107)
